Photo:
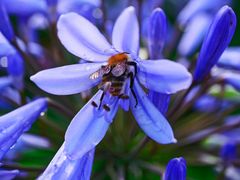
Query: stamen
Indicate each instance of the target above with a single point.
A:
(106, 107)
(94, 104)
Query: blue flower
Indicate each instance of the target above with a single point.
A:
(90, 125)
(157, 32)
(176, 169)
(61, 167)
(217, 39)
(15, 123)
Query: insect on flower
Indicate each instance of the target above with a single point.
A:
(114, 75)
(119, 74)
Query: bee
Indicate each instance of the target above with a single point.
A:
(114, 76)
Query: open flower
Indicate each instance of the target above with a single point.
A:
(119, 72)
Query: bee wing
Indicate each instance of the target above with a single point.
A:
(97, 74)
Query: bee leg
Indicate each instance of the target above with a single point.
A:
(131, 87)
(134, 64)
(101, 99)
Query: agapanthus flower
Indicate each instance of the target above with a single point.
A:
(157, 31)
(119, 72)
(217, 39)
(176, 169)
(15, 123)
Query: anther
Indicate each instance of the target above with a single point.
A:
(107, 108)
(94, 104)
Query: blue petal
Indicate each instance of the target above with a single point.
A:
(157, 33)
(152, 122)
(125, 35)
(230, 59)
(194, 34)
(5, 47)
(4, 82)
(5, 26)
(67, 80)
(176, 169)
(163, 76)
(61, 167)
(15, 123)
(8, 175)
(219, 36)
(161, 101)
(87, 43)
(25, 7)
(88, 127)
(15, 65)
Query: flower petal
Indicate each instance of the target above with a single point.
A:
(5, 47)
(230, 59)
(161, 101)
(163, 76)
(5, 26)
(125, 35)
(82, 38)
(15, 123)
(4, 82)
(61, 167)
(176, 169)
(88, 127)
(67, 80)
(217, 39)
(152, 122)
(157, 31)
